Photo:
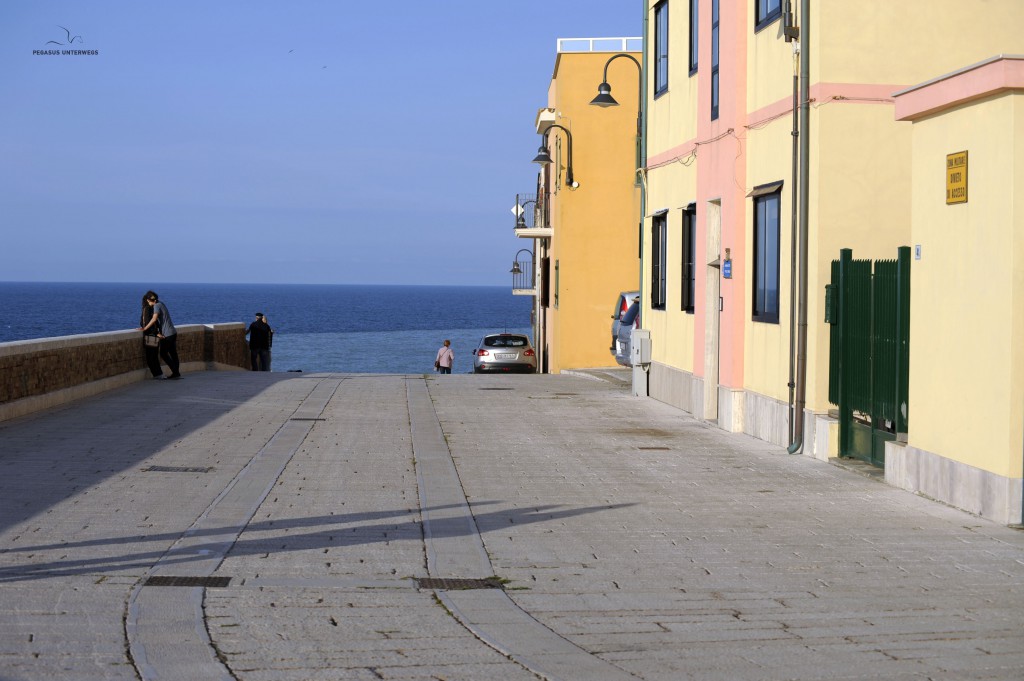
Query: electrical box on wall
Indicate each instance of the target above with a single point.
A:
(640, 342)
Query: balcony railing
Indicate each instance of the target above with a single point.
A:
(531, 215)
(522, 273)
(629, 44)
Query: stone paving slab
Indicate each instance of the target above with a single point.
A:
(634, 541)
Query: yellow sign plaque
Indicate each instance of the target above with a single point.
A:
(956, 177)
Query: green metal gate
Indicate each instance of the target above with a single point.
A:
(868, 307)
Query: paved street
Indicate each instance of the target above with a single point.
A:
(263, 527)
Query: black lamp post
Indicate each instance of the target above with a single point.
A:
(521, 217)
(604, 98)
(544, 158)
(516, 269)
(604, 91)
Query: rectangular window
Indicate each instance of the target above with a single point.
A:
(714, 60)
(659, 256)
(693, 36)
(661, 47)
(556, 284)
(766, 11)
(689, 248)
(545, 282)
(766, 257)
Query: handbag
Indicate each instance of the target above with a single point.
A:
(151, 341)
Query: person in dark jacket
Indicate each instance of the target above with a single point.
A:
(167, 333)
(261, 338)
(151, 342)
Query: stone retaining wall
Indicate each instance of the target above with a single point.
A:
(42, 373)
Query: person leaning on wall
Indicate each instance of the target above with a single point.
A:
(166, 332)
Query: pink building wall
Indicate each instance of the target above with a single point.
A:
(721, 175)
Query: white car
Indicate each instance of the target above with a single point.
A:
(506, 353)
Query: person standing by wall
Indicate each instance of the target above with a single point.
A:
(260, 339)
(167, 333)
(150, 339)
(445, 358)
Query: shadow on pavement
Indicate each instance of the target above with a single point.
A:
(47, 457)
(335, 531)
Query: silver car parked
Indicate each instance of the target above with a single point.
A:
(624, 341)
(504, 352)
(626, 298)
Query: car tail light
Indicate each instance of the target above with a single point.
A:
(482, 353)
(528, 352)
(623, 307)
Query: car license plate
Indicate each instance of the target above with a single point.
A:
(506, 355)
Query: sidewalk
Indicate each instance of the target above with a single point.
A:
(299, 519)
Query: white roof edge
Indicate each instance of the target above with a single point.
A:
(953, 74)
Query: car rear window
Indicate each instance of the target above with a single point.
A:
(505, 342)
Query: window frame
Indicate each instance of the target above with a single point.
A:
(769, 18)
(659, 259)
(694, 36)
(688, 267)
(763, 240)
(661, 47)
(716, 87)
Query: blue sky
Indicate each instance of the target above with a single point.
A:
(308, 141)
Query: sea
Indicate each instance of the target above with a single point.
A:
(338, 328)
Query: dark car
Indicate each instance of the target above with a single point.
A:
(504, 352)
(623, 342)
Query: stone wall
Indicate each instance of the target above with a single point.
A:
(37, 374)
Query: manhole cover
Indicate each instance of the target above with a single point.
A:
(457, 584)
(178, 469)
(188, 581)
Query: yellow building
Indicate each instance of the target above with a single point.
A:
(584, 215)
(966, 436)
(721, 248)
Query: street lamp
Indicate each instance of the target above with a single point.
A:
(544, 158)
(604, 97)
(521, 213)
(516, 269)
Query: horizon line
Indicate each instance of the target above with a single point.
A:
(245, 283)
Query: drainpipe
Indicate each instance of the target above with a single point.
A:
(642, 176)
(643, 153)
(793, 234)
(805, 154)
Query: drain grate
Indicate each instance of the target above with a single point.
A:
(455, 584)
(653, 449)
(188, 581)
(494, 388)
(303, 418)
(177, 469)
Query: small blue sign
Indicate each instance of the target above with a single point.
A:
(727, 269)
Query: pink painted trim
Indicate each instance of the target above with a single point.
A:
(846, 93)
(679, 151)
(982, 80)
